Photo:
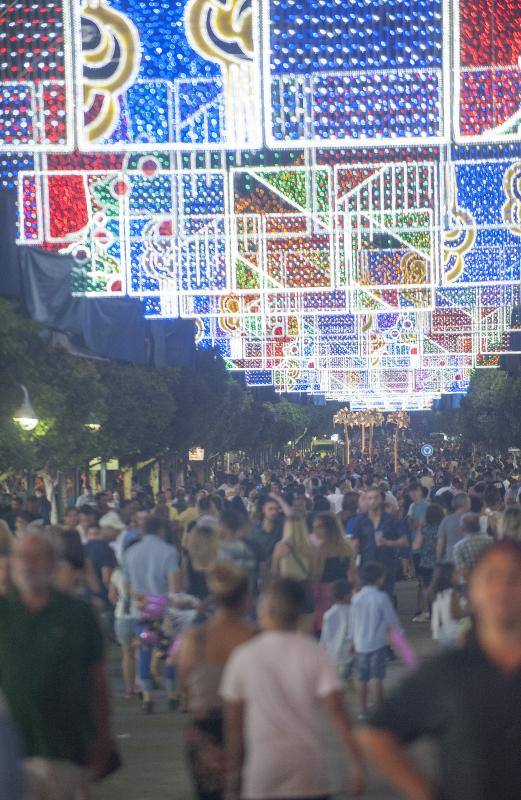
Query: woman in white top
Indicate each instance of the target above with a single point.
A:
(295, 557)
(448, 607)
(125, 629)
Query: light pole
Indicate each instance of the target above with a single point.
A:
(402, 420)
(93, 423)
(25, 416)
(348, 419)
(377, 419)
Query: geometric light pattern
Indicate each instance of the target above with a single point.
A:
(372, 255)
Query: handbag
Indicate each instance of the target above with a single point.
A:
(299, 561)
(306, 583)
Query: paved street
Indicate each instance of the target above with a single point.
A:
(152, 747)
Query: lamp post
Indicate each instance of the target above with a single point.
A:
(93, 423)
(377, 419)
(365, 421)
(25, 416)
(402, 420)
(347, 419)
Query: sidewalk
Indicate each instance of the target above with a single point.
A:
(152, 747)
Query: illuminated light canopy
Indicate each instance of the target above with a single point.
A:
(487, 63)
(36, 78)
(355, 235)
(168, 75)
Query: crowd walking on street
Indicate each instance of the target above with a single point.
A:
(247, 604)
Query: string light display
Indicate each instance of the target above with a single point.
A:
(336, 203)
(36, 80)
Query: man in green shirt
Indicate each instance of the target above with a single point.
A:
(52, 675)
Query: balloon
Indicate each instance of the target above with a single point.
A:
(150, 638)
(155, 606)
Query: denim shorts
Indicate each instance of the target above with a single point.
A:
(371, 665)
(125, 629)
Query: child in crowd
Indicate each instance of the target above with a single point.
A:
(373, 619)
(448, 606)
(336, 629)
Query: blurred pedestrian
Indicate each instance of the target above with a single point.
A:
(334, 561)
(373, 618)
(124, 626)
(11, 768)
(449, 607)
(468, 550)
(467, 699)
(201, 660)
(450, 532)
(509, 526)
(53, 676)
(336, 634)
(277, 688)
(151, 568)
(296, 558)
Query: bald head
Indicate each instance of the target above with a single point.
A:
(33, 563)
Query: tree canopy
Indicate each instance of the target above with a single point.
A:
(144, 412)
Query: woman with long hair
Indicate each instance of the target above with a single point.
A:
(295, 557)
(203, 654)
(424, 547)
(334, 561)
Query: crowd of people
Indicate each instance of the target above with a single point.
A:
(253, 600)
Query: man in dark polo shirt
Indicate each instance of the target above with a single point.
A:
(52, 675)
(377, 536)
(468, 700)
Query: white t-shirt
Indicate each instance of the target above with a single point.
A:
(335, 501)
(282, 678)
(445, 629)
(118, 579)
(336, 633)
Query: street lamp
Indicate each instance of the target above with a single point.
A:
(348, 419)
(93, 423)
(402, 420)
(26, 417)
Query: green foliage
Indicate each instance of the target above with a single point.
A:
(144, 412)
(490, 412)
(62, 391)
(288, 422)
(139, 410)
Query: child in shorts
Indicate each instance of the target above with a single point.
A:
(336, 629)
(373, 618)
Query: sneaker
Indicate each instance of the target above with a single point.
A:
(423, 617)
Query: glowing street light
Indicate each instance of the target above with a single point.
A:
(93, 423)
(26, 417)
